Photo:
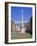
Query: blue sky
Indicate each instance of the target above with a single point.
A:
(16, 13)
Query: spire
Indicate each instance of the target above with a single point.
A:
(22, 11)
(22, 15)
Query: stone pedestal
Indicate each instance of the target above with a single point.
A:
(22, 29)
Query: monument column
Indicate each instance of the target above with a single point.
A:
(22, 28)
